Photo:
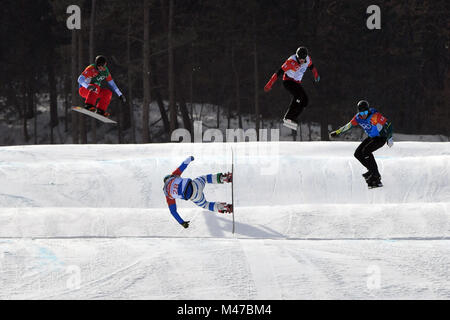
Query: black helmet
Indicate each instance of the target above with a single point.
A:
(301, 53)
(100, 61)
(167, 177)
(363, 105)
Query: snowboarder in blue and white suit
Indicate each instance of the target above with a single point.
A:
(176, 187)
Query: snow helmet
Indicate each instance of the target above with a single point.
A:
(167, 177)
(100, 61)
(363, 105)
(301, 53)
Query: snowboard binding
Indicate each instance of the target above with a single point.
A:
(290, 124)
(374, 182)
(225, 207)
(226, 177)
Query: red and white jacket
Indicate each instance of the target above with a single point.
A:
(294, 70)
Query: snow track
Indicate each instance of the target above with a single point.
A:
(306, 224)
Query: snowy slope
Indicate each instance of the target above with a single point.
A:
(90, 221)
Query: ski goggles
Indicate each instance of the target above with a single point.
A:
(363, 113)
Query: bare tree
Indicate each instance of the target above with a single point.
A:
(172, 106)
(255, 65)
(75, 115)
(83, 133)
(237, 84)
(145, 74)
(91, 58)
(130, 77)
(53, 95)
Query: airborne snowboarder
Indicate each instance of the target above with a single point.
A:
(379, 131)
(293, 69)
(176, 187)
(90, 87)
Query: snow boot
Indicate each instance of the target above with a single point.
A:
(226, 177)
(225, 207)
(374, 181)
(89, 107)
(102, 113)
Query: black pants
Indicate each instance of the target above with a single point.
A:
(299, 99)
(364, 153)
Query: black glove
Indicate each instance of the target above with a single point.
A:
(122, 98)
(333, 134)
(185, 224)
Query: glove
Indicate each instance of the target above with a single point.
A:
(317, 79)
(333, 134)
(185, 224)
(91, 87)
(188, 160)
(390, 142)
(122, 98)
(271, 82)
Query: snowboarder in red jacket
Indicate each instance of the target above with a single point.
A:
(90, 87)
(293, 70)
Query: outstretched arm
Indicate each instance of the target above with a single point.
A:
(286, 66)
(183, 166)
(343, 129)
(173, 210)
(113, 86)
(313, 70)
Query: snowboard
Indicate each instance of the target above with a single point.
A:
(290, 124)
(93, 115)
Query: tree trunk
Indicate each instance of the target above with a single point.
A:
(237, 85)
(129, 118)
(83, 134)
(74, 97)
(324, 128)
(145, 74)
(66, 101)
(53, 97)
(309, 131)
(34, 107)
(119, 125)
(187, 123)
(67, 88)
(255, 63)
(172, 106)
(91, 59)
(160, 104)
(26, 137)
